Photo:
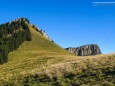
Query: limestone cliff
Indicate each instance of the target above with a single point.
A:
(85, 50)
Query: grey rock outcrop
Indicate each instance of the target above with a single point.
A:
(42, 33)
(18, 20)
(85, 50)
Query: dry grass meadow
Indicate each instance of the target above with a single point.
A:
(41, 58)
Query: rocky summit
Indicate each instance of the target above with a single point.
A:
(85, 50)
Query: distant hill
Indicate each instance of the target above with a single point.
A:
(85, 50)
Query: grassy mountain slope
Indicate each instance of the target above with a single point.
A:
(42, 63)
(32, 54)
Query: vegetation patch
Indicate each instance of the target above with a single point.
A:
(89, 72)
(12, 35)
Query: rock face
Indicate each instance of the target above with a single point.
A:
(85, 50)
(42, 32)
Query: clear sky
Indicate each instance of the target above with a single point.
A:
(70, 23)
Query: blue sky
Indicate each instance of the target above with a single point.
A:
(70, 23)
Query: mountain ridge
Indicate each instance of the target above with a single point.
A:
(14, 33)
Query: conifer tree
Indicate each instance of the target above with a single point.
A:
(12, 35)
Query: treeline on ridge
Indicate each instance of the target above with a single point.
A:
(12, 35)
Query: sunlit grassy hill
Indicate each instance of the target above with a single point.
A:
(41, 62)
(32, 54)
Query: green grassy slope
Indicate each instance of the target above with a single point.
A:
(42, 63)
(32, 54)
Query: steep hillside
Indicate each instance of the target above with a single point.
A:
(14, 33)
(32, 54)
(41, 62)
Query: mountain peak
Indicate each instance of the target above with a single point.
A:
(22, 19)
(14, 33)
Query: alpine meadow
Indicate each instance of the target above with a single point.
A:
(29, 57)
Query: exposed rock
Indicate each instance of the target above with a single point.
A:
(18, 20)
(85, 50)
(42, 32)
